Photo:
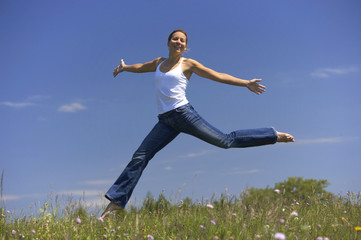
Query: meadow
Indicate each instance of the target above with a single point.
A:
(294, 209)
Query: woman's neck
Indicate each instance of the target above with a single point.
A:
(174, 58)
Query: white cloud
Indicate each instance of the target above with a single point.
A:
(327, 140)
(327, 72)
(18, 197)
(30, 101)
(86, 193)
(197, 154)
(98, 182)
(238, 172)
(11, 197)
(72, 107)
(17, 104)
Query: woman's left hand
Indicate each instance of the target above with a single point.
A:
(119, 69)
(254, 86)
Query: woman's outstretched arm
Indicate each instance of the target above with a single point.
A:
(202, 71)
(138, 67)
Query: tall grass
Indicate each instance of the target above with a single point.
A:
(247, 216)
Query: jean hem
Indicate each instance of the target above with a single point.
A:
(112, 200)
(275, 135)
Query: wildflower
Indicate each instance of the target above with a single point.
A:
(342, 218)
(216, 238)
(78, 220)
(319, 238)
(203, 227)
(104, 236)
(101, 219)
(295, 214)
(319, 225)
(234, 215)
(258, 236)
(150, 237)
(8, 211)
(280, 236)
(13, 232)
(357, 228)
(277, 191)
(113, 230)
(213, 222)
(282, 220)
(33, 231)
(210, 206)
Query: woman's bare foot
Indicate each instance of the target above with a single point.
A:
(284, 137)
(110, 208)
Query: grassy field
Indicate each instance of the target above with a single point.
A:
(254, 214)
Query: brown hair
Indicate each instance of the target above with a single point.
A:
(178, 30)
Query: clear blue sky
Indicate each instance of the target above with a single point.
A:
(68, 127)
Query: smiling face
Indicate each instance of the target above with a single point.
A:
(177, 42)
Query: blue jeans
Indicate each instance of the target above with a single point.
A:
(183, 119)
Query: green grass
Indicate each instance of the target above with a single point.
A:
(247, 216)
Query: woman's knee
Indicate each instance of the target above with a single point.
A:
(225, 144)
(142, 155)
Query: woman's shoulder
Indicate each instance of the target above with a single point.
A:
(187, 59)
(190, 63)
(188, 67)
(159, 60)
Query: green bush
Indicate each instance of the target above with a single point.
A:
(294, 188)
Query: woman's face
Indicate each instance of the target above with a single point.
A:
(178, 42)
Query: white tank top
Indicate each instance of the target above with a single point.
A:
(170, 88)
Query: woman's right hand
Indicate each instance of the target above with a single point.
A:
(119, 69)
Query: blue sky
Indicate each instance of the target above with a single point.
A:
(68, 128)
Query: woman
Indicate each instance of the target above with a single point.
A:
(176, 115)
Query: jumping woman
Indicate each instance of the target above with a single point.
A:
(176, 115)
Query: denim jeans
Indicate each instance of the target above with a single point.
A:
(183, 119)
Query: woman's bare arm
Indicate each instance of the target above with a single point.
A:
(138, 67)
(202, 71)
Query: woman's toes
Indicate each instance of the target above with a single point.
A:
(284, 137)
